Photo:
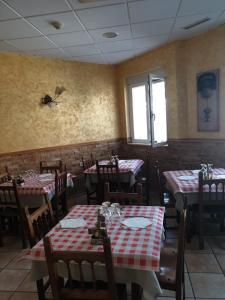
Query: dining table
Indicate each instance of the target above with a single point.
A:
(184, 185)
(135, 251)
(128, 169)
(38, 189)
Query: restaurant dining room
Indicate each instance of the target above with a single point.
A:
(112, 149)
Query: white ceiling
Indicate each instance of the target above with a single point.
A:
(141, 25)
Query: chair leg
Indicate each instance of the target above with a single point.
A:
(64, 204)
(222, 221)
(183, 285)
(55, 208)
(23, 234)
(40, 289)
(88, 197)
(136, 291)
(201, 238)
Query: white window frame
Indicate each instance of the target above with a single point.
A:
(144, 79)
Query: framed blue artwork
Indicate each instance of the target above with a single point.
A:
(208, 100)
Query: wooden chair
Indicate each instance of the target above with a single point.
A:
(166, 198)
(39, 222)
(211, 204)
(11, 213)
(107, 173)
(84, 290)
(51, 166)
(86, 164)
(124, 198)
(171, 274)
(60, 199)
(37, 225)
(4, 178)
(143, 177)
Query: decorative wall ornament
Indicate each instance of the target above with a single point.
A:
(50, 101)
(208, 100)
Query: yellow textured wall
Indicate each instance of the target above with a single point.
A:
(205, 52)
(88, 110)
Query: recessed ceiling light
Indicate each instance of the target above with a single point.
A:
(110, 35)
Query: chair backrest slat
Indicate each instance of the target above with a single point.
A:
(109, 173)
(159, 182)
(81, 259)
(9, 195)
(87, 163)
(211, 191)
(60, 183)
(124, 198)
(51, 166)
(39, 222)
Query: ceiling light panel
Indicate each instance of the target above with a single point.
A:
(97, 59)
(81, 50)
(115, 46)
(152, 28)
(117, 57)
(105, 16)
(38, 7)
(147, 10)
(6, 13)
(15, 29)
(71, 39)
(191, 7)
(76, 4)
(34, 43)
(149, 42)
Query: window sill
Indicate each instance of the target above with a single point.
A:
(148, 145)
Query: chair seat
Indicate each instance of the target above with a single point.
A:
(167, 272)
(99, 294)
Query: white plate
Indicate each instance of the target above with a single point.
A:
(72, 223)
(195, 171)
(186, 177)
(45, 179)
(47, 175)
(221, 176)
(136, 222)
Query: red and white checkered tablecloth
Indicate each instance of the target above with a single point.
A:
(34, 186)
(183, 186)
(138, 249)
(125, 166)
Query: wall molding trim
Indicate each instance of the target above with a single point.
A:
(105, 141)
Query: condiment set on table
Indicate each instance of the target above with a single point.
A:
(207, 171)
(113, 159)
(106, 211)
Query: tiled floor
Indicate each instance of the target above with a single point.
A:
(204, 270)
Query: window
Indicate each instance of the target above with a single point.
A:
(147, 109)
